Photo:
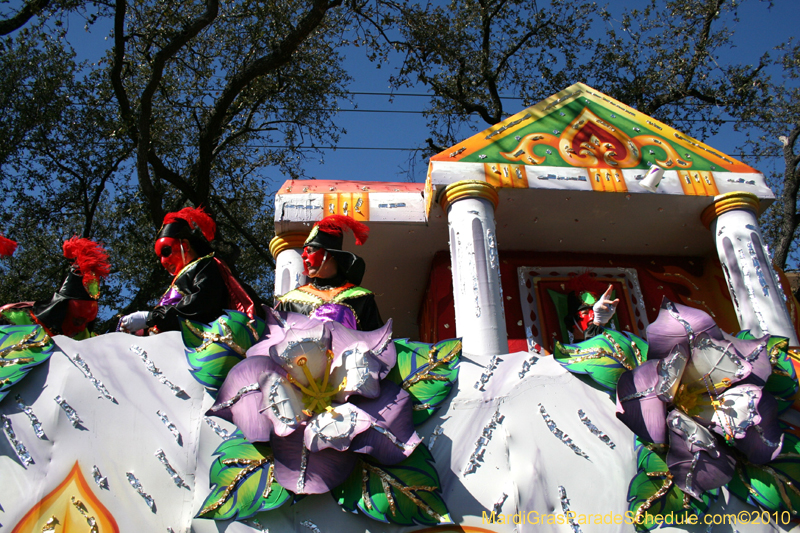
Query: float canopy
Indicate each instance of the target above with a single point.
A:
(567, 172)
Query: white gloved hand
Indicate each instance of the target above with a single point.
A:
(604, 308)
(133, 322)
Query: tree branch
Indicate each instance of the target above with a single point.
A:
(279, 57)
(31, 8)
(265, 254)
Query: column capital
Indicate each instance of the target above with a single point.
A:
(468, 189)
(286, 241)
(729, 202)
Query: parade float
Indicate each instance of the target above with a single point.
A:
(474, 410)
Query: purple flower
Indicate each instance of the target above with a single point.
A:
(316, 391)
(701, 391)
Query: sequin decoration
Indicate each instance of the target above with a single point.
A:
(762, 280)
(599, 434)
(311, 526)
(177, 391)
(236, 397)
(751, 295)
(476, 458)
(775, 279)
(219, 430)
(84, 367)
(498, 506)
(85, 513)
(37, 426)
(101, 481)
(527, 364)
(170, 426)
(74, 419)
(492, 249)
(488, 372)
(438, 430)
(562, 494)
(301, 479)
(51, 524)
(255, 524)
(560, 435)
(19, 448)
(138, 486)
(176, 478)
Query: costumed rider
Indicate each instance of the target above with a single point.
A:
(202, 287)
(586, 313)
(334, 293)
(73, 307)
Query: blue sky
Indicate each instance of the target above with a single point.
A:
(382, 130)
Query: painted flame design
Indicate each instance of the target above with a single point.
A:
(57, 509)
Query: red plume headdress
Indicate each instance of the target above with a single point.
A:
(7, 246)
(328, 233)
(91, 260)
(195, 217)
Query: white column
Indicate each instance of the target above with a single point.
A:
(754, 285)
(287, 249)
(477, 293)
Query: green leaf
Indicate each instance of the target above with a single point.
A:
(604, 357)
(212, 350)
(782, 383)
(242, 483)
(652, 491)
(21, 349)
(772, 486)
(406, 493)
(427, 372)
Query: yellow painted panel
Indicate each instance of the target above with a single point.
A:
(707, 180)
(331, 204)
(360, 206)
(618, 180)
(596, 178)
(687, 184)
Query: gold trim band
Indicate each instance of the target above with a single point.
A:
(729, 202)
(285, 241)
(468, 189)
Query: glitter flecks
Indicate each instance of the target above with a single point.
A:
(311, 526)
(19, 448)
(599, 434)
(757, 266)
(170, 426)
(219, 430)
(156, 373)
(84, 367)
(236, 397)
(498, 506)
(101, 481)
(37, 426)
(438, 430)
(138, 487)
(527, 364)
(74, 419)
(488, 371)
(476, 458)
(176, 478)
(85, 513)
(560, 435)
(562, 495)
